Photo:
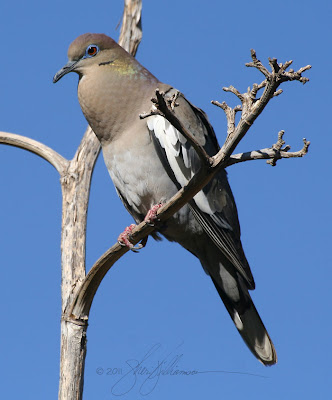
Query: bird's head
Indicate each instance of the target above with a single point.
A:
(88, 50)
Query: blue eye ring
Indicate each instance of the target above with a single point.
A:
(91, 51)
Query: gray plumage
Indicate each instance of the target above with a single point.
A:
(149, 160)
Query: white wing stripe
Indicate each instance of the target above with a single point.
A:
(173, 142)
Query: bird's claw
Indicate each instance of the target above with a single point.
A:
(151, 216)
(124, 239)
(150, 219)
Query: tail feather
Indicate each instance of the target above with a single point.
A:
(250, 326)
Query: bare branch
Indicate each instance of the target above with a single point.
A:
(256, 88)
(272, 154)
(131, 29)
(80, 308)
(257, 64)
(232, 89)
(253, 106)
(48, 154)
(280, 152)
(230, 115)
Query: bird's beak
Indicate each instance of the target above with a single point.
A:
(63, 71)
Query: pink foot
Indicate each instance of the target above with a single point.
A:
(151, 216)
(123, 238)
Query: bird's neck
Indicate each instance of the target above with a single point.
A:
(114, 94)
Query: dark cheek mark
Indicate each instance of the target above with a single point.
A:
(106, 62)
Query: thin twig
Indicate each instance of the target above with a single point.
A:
(230, 115)
(271, 154)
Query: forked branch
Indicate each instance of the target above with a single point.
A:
(272, 155)
(251, 105)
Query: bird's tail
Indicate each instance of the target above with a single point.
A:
(249, 325)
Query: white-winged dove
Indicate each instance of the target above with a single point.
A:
(149, 160)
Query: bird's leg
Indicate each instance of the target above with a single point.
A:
(151, 215)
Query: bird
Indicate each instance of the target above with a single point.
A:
(149, 160)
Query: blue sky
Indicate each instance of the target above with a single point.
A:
(161, 299)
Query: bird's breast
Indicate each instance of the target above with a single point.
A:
(111, 102)
(136, 170)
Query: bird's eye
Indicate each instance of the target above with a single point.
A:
(91, 50)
